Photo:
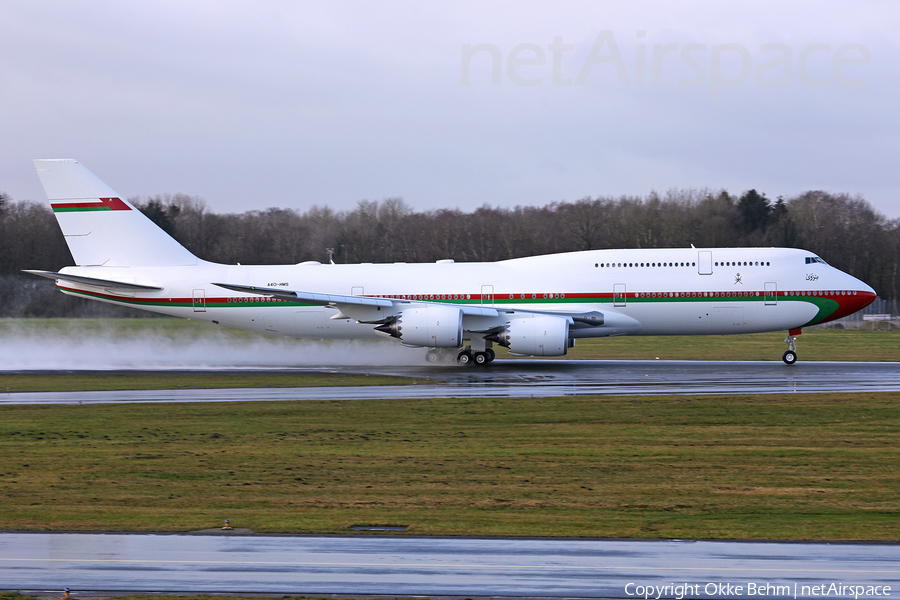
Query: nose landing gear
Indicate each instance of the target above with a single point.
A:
(790, 356)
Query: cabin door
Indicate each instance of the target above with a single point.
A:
(619, 294)
(199, 300)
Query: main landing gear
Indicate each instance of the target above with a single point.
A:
(467, 357)
(790, 356)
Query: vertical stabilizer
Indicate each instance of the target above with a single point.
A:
(100, 227)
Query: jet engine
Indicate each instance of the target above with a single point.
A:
(430, 326)
(541, 335)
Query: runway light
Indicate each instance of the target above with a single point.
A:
(227, 526)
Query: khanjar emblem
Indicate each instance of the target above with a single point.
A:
(737, 279)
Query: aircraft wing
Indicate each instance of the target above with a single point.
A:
(104, 283)
(312, 298)
(350, 305)
(349, 301)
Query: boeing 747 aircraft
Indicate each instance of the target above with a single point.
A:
(536, 306)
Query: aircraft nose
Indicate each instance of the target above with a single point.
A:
(863, 295)
(866, 287)
(855, 296)
(861, 287)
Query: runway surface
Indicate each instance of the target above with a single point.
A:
(439, 566)
(537, 378)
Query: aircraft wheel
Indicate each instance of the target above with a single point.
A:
(789, 357)
(464, 358)
(481, 358)
(490, 354)
(432, 356)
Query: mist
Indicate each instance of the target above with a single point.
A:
(165, 344)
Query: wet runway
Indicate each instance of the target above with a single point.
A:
(537, 378)
(439, 566)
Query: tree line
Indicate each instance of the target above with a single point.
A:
(844, 230)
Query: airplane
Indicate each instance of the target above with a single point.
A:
(534, 306)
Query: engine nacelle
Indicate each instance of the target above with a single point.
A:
(430, 326)
(540, 335)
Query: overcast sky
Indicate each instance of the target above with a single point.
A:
(290, 104)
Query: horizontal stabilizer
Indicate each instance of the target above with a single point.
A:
(106, 283)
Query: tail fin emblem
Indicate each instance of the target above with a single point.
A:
(90, 205)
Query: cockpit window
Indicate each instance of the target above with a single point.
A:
(814, 259)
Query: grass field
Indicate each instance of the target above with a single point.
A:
(812, 345)
(823, 466)
(74, 382)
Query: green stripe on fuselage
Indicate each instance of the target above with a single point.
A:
(825, 306)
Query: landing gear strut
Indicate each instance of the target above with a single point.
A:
(790, 356)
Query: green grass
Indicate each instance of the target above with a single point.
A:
(75, 382)
(812, 345)
(824, 466)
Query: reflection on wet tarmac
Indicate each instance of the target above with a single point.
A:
(536, 378)
(367, 564)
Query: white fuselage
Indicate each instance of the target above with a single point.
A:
(641, 292)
